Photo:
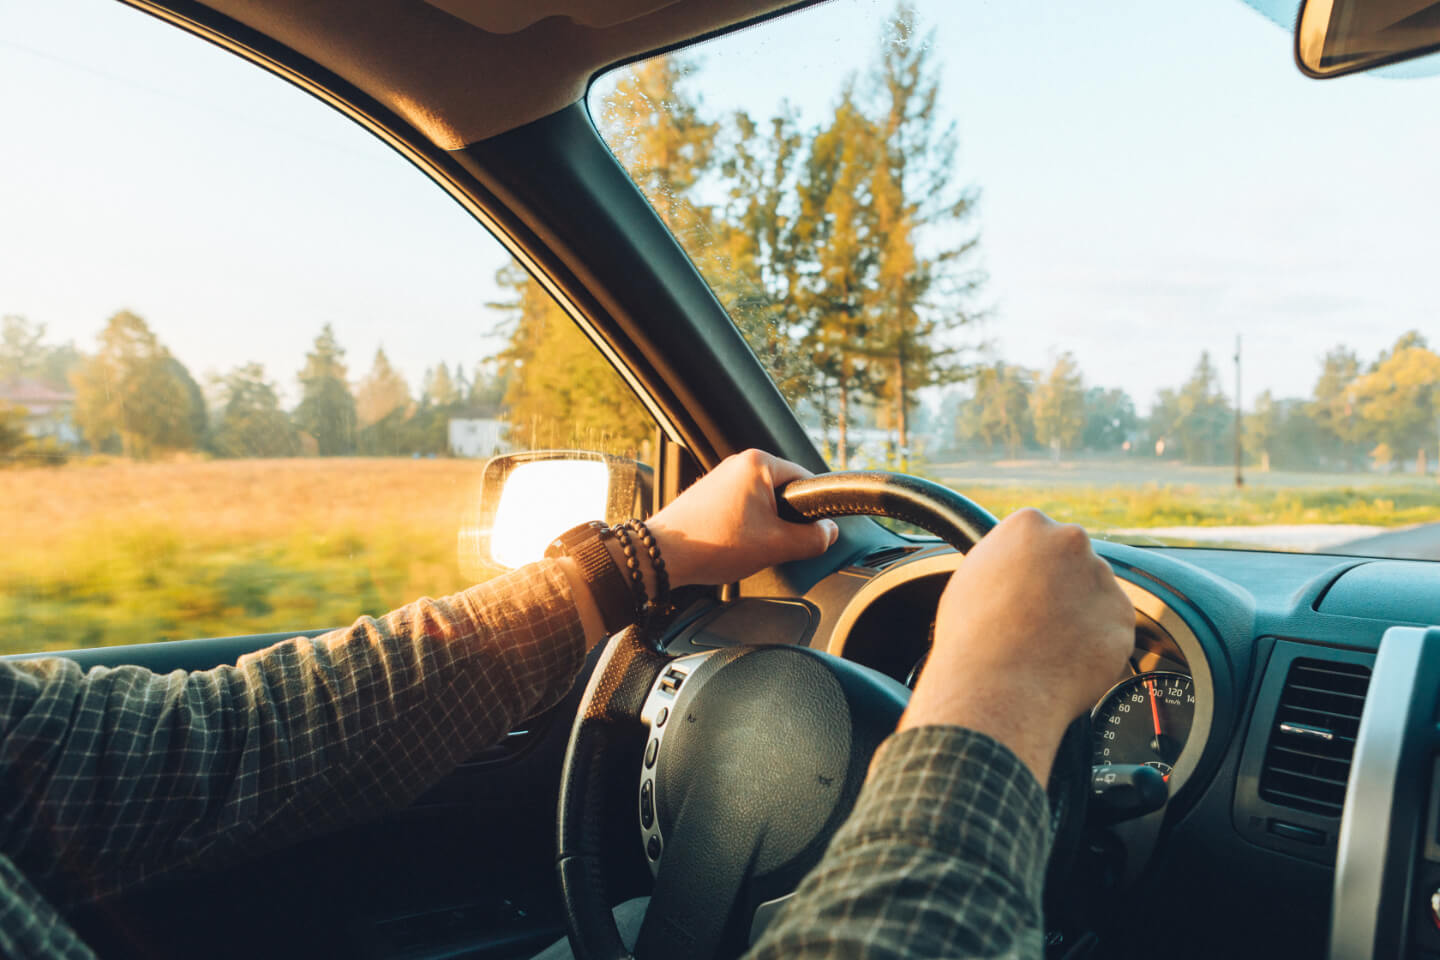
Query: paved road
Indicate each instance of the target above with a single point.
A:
(1413, 543)
(1135, 471)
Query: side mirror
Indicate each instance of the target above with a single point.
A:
(1335, 37)
(528, 499)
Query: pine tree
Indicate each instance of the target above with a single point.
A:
(251, 422)
(999, 413)
(1109, 419)
(560, 391)
(1334, 410)
(836, 236)
(22, 347)
(655, 128)
(754, 263)
(924, 284)
(1197, 418)
(440, 389)
(1057, 406)
(381, 392)
(327, 408)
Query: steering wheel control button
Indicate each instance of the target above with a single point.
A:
(647, 804)
(656, 712)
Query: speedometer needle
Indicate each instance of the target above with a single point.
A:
(1155, 715)
(1154, 709)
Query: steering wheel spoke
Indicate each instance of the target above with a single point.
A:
(622, 679)
(608, 720)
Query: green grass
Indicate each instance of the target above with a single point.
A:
(132, 553)
(1154, 505)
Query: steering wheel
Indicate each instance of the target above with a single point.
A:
(753, 756)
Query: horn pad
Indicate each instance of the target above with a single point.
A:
(765, 754)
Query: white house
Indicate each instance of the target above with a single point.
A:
(47, 410)
(477, 438)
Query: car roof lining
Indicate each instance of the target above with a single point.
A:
(462, 71)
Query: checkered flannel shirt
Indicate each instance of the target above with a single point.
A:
(113, 776)
(943, 856)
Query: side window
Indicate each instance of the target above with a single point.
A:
(252, 362)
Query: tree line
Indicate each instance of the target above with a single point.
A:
(1380, 413)
(133, 397)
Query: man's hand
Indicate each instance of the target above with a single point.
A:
(1030, 632)
(726, 527)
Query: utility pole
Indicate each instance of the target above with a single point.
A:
(1239, 423)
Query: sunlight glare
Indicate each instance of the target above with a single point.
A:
(542, 500)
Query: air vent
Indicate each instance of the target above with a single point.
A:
(882, 558)
(1308, 760)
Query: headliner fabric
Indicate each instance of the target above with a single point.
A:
(459, 83)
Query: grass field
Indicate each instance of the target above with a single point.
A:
(131, 552)
(121, 552)
(1140, 493)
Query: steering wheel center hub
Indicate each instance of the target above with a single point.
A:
(757, 761)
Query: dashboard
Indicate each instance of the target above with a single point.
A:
(1244, 694)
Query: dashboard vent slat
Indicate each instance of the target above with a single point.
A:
(1307, 772)
(884, 557)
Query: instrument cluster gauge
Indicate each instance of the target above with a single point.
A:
(1144, 719)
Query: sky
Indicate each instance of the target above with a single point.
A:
(1153, 180)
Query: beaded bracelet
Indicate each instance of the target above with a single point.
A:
(632, 566)
(661, 601)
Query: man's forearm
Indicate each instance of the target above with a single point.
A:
(119, 773)
(944, 855)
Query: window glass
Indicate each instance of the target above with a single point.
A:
(251, 361)
(1123, 262)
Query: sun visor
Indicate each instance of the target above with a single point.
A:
(512, 16)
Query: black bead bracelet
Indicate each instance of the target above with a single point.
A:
(626, 534)
(632, 566)
(660, 603)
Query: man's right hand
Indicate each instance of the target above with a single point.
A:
(1031, 631)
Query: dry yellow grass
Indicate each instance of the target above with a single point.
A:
(123, 552)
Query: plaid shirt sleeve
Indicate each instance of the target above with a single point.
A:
(943, 856)
(110, 776)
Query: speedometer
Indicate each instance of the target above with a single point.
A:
(1144, 720)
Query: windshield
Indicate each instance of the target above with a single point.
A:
(1123, 263)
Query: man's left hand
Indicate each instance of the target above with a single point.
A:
(726, 527)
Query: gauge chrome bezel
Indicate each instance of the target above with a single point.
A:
(1152, 607)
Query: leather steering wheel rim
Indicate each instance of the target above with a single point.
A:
(951, 516)
(609, 709)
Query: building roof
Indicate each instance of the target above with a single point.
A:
(32, 394)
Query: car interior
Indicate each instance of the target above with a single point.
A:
(1263, 782)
